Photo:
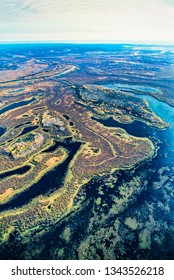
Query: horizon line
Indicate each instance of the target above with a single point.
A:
(90, 42)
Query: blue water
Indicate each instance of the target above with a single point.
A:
(131, 88)
(161, 109)
(166, 136)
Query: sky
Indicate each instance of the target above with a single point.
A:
(113, 21)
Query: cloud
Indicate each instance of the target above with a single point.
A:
(168, 2)
(111, 19)
(13, 9)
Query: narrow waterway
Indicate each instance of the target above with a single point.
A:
(50, 182)
(16, 105)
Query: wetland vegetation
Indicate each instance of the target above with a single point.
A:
(86, 152)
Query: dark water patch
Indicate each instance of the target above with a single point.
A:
(136, 128)
(52, 148)
(66, 117)
(57, 102)
(46, 130)
(28, 129)
(17, 171)
(71, 123)
(16, 105)
(19, 125)
(48, 183)
(2, 130)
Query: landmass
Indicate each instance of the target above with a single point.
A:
(63, 128)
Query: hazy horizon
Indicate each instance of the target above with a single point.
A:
(86, 43)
